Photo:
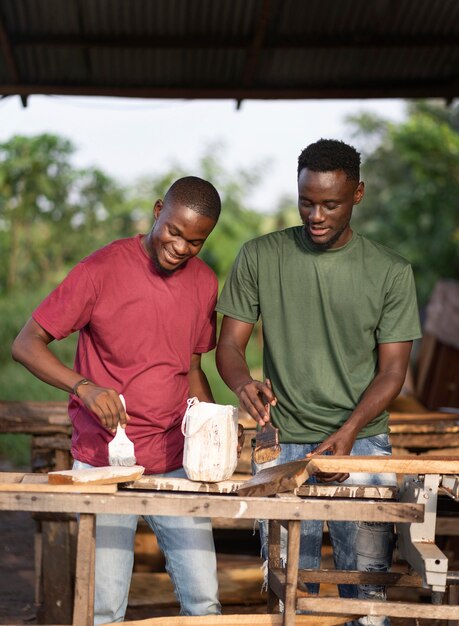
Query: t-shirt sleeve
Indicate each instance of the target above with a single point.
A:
(207, 339)
(239, 297)
(400, 317)
(68, 308)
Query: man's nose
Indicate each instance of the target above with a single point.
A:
(181, 247)
(316, 214)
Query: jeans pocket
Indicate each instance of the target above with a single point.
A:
(381, 444)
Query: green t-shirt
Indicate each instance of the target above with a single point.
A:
(323, 315)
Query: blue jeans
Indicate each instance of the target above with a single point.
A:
(363, 546)
(188, 546)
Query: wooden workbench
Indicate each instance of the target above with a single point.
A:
(23, 492)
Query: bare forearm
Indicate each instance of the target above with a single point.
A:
(380, 393)
(199, 386)
(36, 356)
(232, 367)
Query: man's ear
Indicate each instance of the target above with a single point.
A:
(359, 192)
(157, 208)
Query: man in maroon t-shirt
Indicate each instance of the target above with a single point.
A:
(144, 310)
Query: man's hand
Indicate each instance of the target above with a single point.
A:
(105, 404)
(340, 443)
(254, 396)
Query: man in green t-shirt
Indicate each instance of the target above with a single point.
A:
(339, 316)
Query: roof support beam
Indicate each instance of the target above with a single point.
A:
(10, 61)
(448, 89)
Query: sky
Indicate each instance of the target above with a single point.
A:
(129, 138)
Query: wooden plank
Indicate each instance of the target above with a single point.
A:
(57, 573)
(83, 611)
(237, 481)
(376, 492)
(238, 620)
(380, 464)
(183, 484)
(34, 418)
(353, 577)
(448, 526)
(96, 475)
(373, 607)
(196, 505)
(426, 441)
(274, 561)
(420, 418)
(33, 483)
(291, 581)
(436, 428)
(340, 577)
(289, 476)
(277, 479)
(55, 442)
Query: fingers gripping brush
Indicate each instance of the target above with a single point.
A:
(267, 446)
(121, 448)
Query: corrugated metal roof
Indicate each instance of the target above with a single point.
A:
(230, 48)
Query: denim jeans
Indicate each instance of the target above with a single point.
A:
(364, 546)
(188, 546)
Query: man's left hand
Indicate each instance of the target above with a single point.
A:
(337, 444)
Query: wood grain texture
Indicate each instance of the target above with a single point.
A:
(213, 505)
(372, 607)
(96, 476)
(239, 620)
(289, 476)
(278, 479)
(33, 483)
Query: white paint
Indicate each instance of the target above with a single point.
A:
(242, 509)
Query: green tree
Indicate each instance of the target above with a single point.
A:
(51, 213)
(411, 170)
(34, 176)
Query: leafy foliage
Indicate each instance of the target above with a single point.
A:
(412, 182)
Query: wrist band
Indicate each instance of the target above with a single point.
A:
(83, 381)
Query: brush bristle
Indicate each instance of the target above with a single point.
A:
(264, 454)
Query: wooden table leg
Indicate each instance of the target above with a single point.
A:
(293, 558)
(83, 608)
(273, 561)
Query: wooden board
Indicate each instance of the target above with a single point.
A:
(290, 476)
(148, 483)
(238, 620)
(183, 484)
(421, 418)
(96, 476)
(34, 418)
(38, 483)
(374, 607)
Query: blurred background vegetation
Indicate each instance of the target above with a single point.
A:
(52, 214)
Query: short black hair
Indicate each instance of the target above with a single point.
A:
(197, 194)
(328, 155)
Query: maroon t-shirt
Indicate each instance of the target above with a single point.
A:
(137, 330)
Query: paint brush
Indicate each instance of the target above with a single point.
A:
(267, 446)
(121, 448)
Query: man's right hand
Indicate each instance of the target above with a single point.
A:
(105, 404)
(255, 396)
